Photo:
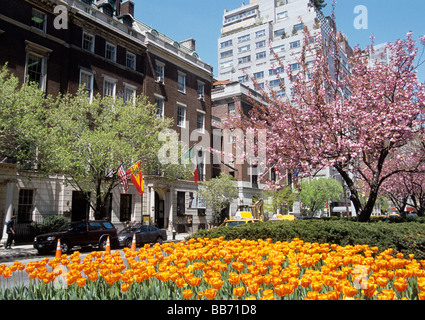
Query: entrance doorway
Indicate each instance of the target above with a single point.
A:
(80, 206)
(159, 212)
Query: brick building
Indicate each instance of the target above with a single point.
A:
(62, 44)
(231, 98)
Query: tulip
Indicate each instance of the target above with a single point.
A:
(187, 294)
(400, 284)
(253, 287)
(239, 291)
(210, 293)
(81, 282)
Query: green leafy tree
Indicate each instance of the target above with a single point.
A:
(22, 119)
(316, 193)
(279, 199)
(218, 194)
(86, 140)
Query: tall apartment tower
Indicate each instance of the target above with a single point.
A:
(249, 38)
(250, 33)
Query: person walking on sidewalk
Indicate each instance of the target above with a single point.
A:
(10, 232)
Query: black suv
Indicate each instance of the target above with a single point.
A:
(78, 234)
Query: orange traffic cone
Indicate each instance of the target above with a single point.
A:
(133, 243)
(108, 246)
(58, 250)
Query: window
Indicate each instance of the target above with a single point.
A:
(38, 20)
(200, 123)
(244, 49)
(129, 93)
(299, 27)
(201, 90)
(25, 205)
(240, 16)
(109, 87)
(278, 49)
(111, 52)
(295, 44)
(282, 15)
(88, 42)
(200, 165)
(254, 176)
(261, 55)
(231, 108)
(181, 208)
(181, 116)
(244, 59)
(295, 66)
(276, 83)
(95, 226)
(159, 72)
(125, 207)
(227, 43)
(243, 79)
(130, 61)
(226, 54)
(159, 102)
(34, 68)
(273, 72)
(260, 44)
(86, 82)
(181, 82)
(260, 33)
(226, 64)
(244, 38)
(280, 33)
(259, 75)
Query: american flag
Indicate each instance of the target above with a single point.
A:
(123, 175)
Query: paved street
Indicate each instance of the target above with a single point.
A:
(27, 251)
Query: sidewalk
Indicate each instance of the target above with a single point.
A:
(27, 251)
(18, 252)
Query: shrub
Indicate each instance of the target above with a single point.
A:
(402, 236)
(50, 224)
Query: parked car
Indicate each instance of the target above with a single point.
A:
(144, 234)
(81, 234)
(238, 222)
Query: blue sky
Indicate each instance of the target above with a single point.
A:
(388, 20)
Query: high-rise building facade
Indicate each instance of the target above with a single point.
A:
(254, 37)
(252, 32)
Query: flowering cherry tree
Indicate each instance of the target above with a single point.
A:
(353, 122)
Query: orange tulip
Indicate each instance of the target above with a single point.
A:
(316, 286)
(233, 278)
(210, 293)
(194, 281)
(400, 284)
(217, 283)
(81, 282)
(253, 287)
(239, 291)
(187, 294)
(349, 291)
(180, 282)
(125, 287)
(280, 290)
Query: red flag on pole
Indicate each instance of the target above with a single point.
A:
(196, 173)
(137, 178)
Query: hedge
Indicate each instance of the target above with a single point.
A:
(405, 237)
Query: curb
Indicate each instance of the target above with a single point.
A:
(27, 252)
(16, 254)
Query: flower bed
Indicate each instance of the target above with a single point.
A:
(218, 269)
